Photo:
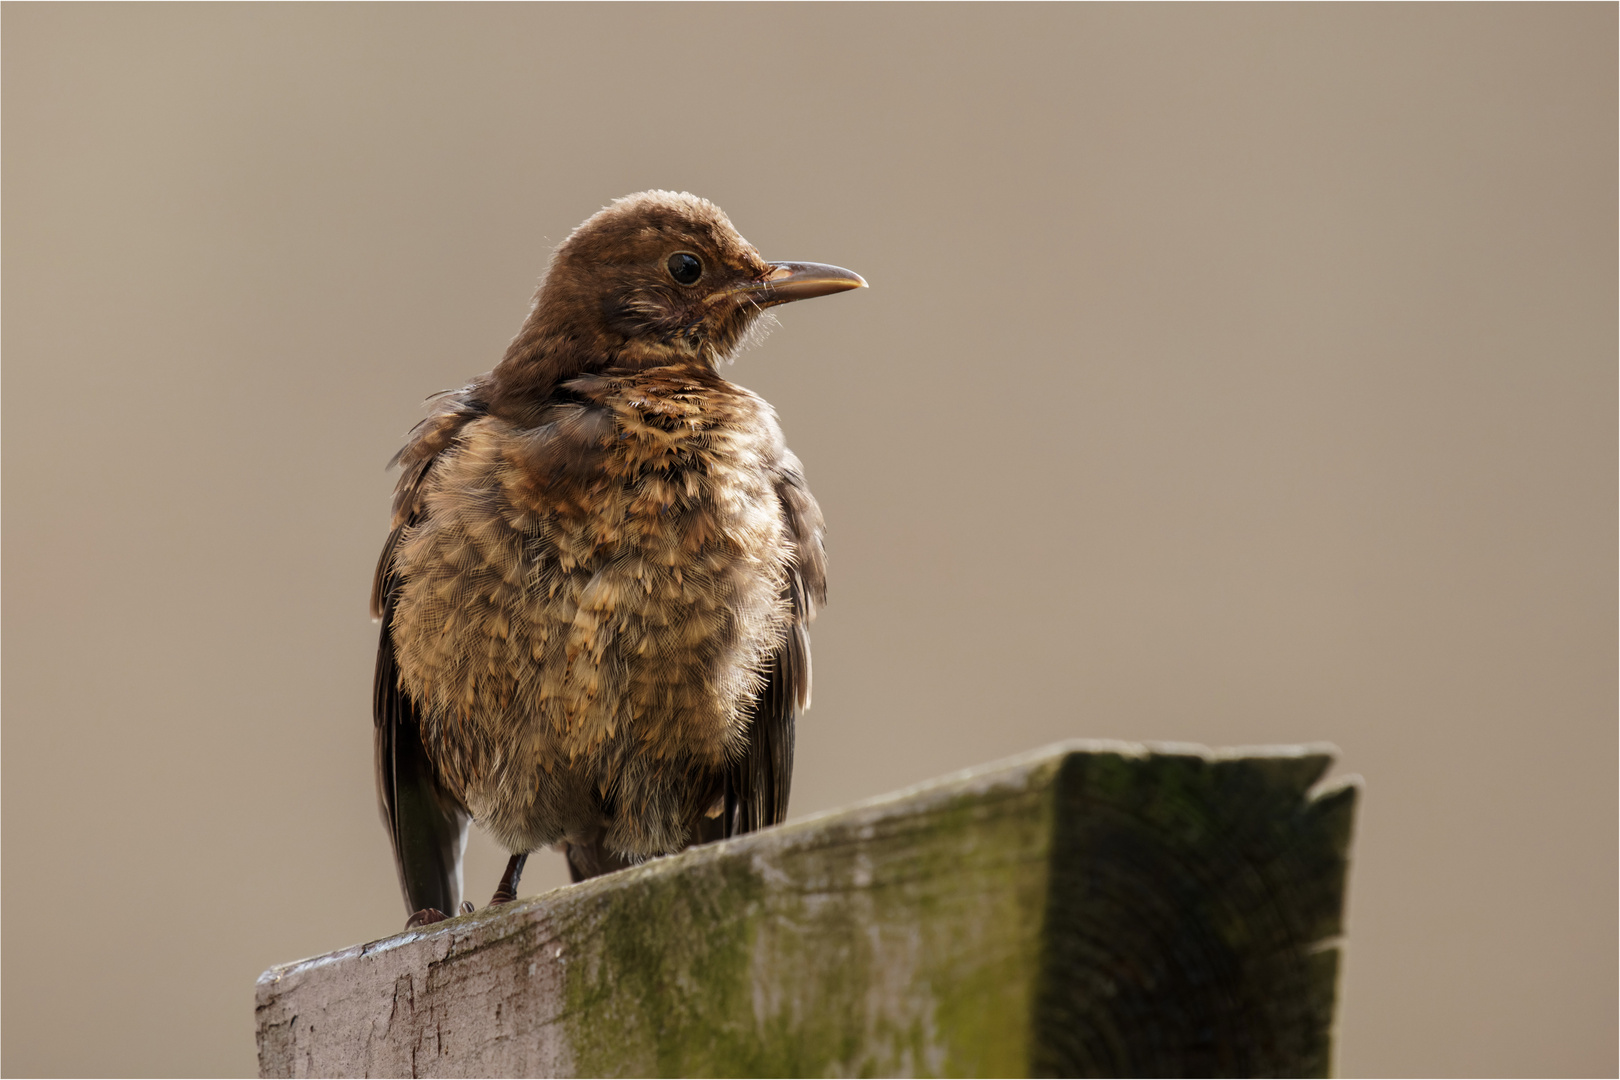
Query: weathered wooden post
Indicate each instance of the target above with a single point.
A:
(1092, 909)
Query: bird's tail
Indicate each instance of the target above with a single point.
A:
(428, 828)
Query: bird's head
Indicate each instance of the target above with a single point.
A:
(655, 278)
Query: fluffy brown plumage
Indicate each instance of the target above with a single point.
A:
(602, 562)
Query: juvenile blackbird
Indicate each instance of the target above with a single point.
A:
(603, 558)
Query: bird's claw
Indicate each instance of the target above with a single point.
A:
(426, 917)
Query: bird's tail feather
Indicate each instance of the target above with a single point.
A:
(427, 827)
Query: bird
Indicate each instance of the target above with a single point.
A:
(601, 565)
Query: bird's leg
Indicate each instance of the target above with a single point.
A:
(506, 891)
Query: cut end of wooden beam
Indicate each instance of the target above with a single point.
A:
(1093, 908)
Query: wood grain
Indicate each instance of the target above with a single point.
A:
(1102, 909)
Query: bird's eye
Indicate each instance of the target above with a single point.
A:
(685, 267)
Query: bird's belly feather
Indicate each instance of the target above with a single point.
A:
(590, 640)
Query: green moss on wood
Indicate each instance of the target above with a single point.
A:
(907, 949)
(1098, 909)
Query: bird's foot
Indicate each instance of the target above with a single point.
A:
(467, 907)
(426, 917)
(506, 891)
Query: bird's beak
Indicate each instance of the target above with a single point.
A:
(789, 281)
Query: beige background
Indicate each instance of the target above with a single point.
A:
(1231, 374)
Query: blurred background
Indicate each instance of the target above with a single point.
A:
(1229, 374)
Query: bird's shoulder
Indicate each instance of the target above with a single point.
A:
(450, 411)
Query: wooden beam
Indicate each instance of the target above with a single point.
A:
(1092, 909)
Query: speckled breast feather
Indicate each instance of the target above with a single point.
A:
(647, 515)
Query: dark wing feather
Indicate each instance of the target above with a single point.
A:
(759, 783)
(426, 825)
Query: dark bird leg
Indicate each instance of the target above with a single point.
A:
(506, 891)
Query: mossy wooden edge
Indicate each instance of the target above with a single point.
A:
(932, 932)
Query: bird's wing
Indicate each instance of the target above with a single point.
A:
(425, 823)
(427, 826)
(758, 784)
